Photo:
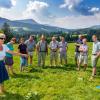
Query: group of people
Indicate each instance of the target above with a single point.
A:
(81, 53)
(29, 46)
(26, 52)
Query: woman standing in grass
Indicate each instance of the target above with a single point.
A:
(3, 72)
(23, 49)
(83, 58)
(9, 57)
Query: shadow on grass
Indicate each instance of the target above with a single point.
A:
(25, 76)
(35, 70)
(68, 67)
(10, 96)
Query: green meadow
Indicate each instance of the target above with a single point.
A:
(53, 83)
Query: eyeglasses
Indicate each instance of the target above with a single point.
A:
(2, 38)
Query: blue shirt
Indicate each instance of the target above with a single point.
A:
(30, 45)
(10, 46)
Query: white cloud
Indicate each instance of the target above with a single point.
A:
(95, 10)
(78, 7)
(38, 11)
(70, 4)
(9, 14)
(36, 6)
(77, 21)
(14, 2)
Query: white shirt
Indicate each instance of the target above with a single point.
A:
(3, 52)
(84, 47)
(96, 47)
(54, 45)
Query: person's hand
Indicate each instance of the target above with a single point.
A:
(98, 54)
(37, 52)
(81, 49)
(25, 55)
(47, 53)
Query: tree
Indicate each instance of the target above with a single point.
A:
(7, 31)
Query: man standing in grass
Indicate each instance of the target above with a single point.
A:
(63, 49)
(83, 58)
(42, 50)
(31, 44)
(95, 54)
(77, 52)
(54, 45)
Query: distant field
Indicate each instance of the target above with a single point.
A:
(60, 83)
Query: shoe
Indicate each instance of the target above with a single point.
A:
(78, 69)
(91, 78)
(61, 65)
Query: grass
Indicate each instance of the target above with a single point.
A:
(60, 83)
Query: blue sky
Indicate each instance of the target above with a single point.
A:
(63, 13)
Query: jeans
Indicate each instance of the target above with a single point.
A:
(23, 61)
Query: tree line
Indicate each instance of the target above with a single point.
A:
(69, 36)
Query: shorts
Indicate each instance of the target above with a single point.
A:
(23, 61)
(83, 59)
(53, 55)
(30, 53)
(63, 55)
(94, 60)
(9, 61)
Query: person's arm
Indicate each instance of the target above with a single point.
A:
(37, 48)
(86, 49)
(80, 49)
(26, 50)
(57, 46)
(19, 49)
(35, 45)
(16, 53)
(50, 46)
(98, 54)
(77, 44)
(26, 42)
(67, 45)
(47, 48)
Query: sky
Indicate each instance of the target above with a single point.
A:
(70, 14)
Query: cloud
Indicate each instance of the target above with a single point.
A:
(7, 3)
(95, 10)
(14, 2)
(36, 6)
(77, 21)
(38, 11)
(70, 4)
(79, 7)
